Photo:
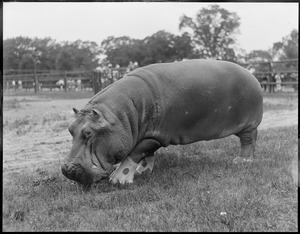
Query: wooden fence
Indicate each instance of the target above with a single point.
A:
(267, 77)
(96, 80)
(66, 80)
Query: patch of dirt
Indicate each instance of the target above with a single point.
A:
(44, 140)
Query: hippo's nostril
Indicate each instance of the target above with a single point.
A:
(64, 170)
(76, 172)
(64, 167)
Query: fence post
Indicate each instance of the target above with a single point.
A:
(96, 81)
(99, 81)
(271, 79)
(36, 83)
(65, 80)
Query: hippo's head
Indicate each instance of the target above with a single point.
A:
(96, 147)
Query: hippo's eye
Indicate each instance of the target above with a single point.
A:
(87, 132)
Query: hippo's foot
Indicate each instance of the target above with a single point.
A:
(241, 160)
(248, 140)
(145, 164)
(124, 173)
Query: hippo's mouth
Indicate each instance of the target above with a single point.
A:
(97, 168)
(90, 153)
(87, 171)
(77, 173)
(94, 159)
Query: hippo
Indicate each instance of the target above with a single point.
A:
(117, 132)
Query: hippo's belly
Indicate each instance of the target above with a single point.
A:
(207, 103)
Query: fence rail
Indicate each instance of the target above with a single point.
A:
(95, 80)
(272, 62)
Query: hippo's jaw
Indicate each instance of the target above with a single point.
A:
(83, 175)
(77, 173)
(85, 172)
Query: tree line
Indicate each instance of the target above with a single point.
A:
(211, 34)
(23, 53)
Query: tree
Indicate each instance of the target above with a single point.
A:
(13, 51)
(43, 51)
(160, 47)
(212, 32)
(163, 46)
(112, 42)
(64, 60)
(122, 50)
(46, 51)
(85, 54)
(287, 48)
(257, 56)
(259, 60)
(27, 63)
(183, 47)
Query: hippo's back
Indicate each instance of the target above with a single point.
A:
(202, 99)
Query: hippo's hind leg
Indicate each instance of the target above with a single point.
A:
(125, 172)
(145, 164)
(248, 141)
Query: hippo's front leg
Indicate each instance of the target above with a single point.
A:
(125, 172)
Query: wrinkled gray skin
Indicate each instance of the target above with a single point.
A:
(159, 105)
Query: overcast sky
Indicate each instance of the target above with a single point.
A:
(262, 24)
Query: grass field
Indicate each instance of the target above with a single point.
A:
(194, 187)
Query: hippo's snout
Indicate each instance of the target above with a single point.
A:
(77, 173)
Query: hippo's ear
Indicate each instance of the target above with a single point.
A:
(98, 117)
(105, 121)
(96, 114)
(75, 111)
